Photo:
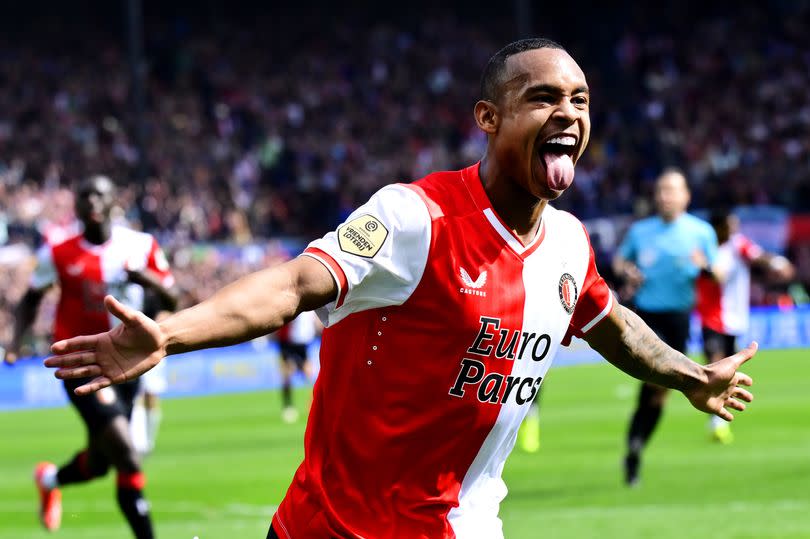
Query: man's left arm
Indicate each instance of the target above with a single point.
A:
(155, 274)
(627, 342)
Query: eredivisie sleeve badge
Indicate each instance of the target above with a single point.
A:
(568, 292)
(362, 236)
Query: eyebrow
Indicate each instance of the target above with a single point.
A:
(551, 89)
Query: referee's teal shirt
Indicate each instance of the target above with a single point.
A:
(663, 253)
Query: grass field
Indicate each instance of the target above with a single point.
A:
(224, 462)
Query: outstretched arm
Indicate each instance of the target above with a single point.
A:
(250, 307)
(628, 343)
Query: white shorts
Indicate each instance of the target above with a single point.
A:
(155, 381)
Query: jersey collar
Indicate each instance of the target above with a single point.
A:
(472, 180)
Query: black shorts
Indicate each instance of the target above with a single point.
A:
(715, 343)
(272, 533)
(294, 353)
(101, 407)
(672, 327)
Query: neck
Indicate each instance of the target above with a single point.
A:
(519, 209)
(97, 233)
(669, 218)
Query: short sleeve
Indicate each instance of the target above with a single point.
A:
(378, 255)
(748, 250)
(45, 272)
(594, 303)
(159, 265)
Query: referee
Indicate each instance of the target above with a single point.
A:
(661, 257)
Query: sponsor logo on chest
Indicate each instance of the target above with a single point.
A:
(472, 287)
(507, 345)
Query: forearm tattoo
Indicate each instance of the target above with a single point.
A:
(644, 355)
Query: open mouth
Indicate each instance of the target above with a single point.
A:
(560, 145)
(557, 154)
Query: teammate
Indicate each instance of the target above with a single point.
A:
(444, 303)
(723, 300)
(294, 339)
(662, 255)
(103, 259)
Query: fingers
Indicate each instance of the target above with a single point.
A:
(76, 344)
(735, 404)
(120, 311)
(78, 372)
(100, 382)
(742, 394)
(745, 354)
(744, 380)
(76, 359)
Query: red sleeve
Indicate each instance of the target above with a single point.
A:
(157, 264)
(594, 302)
(748, 250)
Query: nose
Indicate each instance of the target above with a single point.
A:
(566, 111)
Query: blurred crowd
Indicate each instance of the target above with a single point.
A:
(249, 134)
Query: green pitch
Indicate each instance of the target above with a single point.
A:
(223, 463)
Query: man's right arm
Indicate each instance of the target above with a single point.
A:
(255, 305)
(250, 307)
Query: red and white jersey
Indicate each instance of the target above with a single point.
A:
(87, 272)
(442, 331)
(301, 330)
(724, 307)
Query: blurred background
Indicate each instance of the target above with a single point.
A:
(238, 131)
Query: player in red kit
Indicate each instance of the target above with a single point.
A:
(103, 259)
(444, 302)
(724, 296)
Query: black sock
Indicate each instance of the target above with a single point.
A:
(134, 505)
(80, 469)
(642, 426)
(286, 394)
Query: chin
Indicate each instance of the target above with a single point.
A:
(545, 192)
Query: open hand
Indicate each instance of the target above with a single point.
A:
(721, 389)
(123, 353)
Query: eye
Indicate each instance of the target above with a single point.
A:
(580, 100)
(542, 98)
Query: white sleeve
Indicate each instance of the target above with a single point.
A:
(45, 272)
(378, 255)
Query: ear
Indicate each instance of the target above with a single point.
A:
(487, 117)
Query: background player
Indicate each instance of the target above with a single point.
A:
(423, 383)
(660, 258)
(723, 299)
(294, 339)
(103, 259)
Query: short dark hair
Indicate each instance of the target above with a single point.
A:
(493, 72)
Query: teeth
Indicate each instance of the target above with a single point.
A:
(564, 140)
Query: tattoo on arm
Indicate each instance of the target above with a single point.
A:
(641, 353)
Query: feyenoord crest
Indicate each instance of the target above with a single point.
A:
(568, 292)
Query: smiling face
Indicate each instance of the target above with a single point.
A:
(540, 123)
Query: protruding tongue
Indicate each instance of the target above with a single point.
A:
(559, 170)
